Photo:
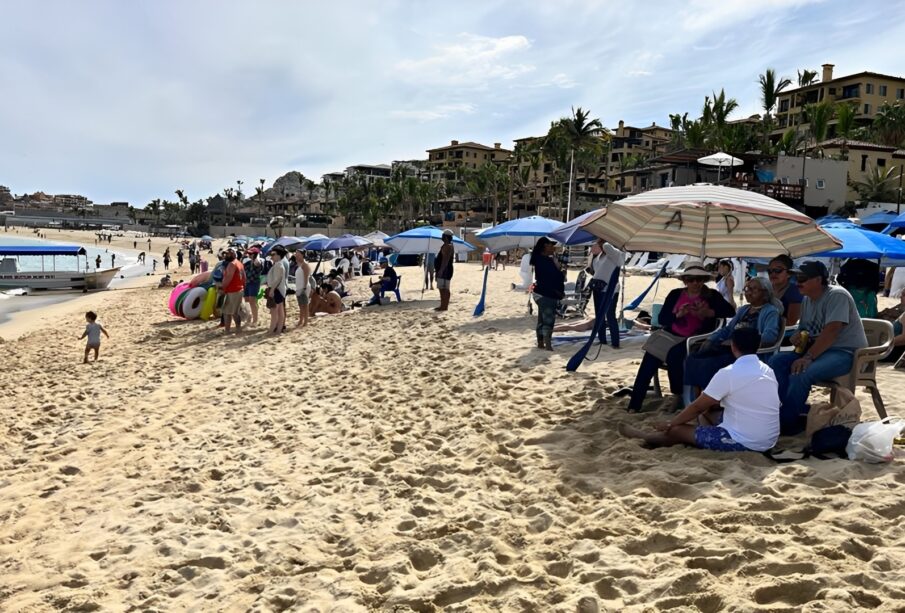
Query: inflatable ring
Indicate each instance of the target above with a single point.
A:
(180, 301)
(261, 293)
(210, 301)
(200, 279)
(174, 295)
(194, 301)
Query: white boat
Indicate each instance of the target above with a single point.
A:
(12, 276)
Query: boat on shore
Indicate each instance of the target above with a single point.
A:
(14, 276)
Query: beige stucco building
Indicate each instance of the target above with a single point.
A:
(866, 90)
(863, 158)
(444, 163)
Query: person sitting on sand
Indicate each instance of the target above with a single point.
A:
(385, 283)
(335, 278)
(738, 411)
(325, 300)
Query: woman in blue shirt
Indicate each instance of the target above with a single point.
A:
(549, 288)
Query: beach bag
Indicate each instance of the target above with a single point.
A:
(873, 441)
(831, 440)
(845, 411)
(660, 342)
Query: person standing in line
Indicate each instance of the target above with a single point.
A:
(606, 260)
(444, 264)
(232, 286)
(302, 277)
(276, 290)
(549, 289)
(254, 270)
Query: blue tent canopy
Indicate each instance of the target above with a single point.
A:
(44, 250)
(880, 218)
(861, 243)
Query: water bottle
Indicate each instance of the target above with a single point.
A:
(803, 342)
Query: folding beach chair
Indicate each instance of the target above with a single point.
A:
(394, 290)
(575, 301)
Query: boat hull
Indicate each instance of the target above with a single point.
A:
(58, 279)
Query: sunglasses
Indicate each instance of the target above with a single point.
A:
(776, 271)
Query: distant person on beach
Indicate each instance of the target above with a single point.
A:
(135, 244)
(276, 290)
(738, 411)
(254, 270)
(193, 262)
(232, 286)
(149, 244)
(386, 283)
(166, 259)
(549, 289)
(97, 261)
(93, 331)
(154, 265)
(444, 265)
(431, 272)
(325, 300)
(141, 257)
(302, 276)
(180, 256)
(112, 260)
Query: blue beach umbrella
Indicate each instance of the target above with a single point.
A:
(898, 222)
(289, 242)
(571, 232)
(426, 239)
(518, 233)
(880, 218)
(861, 243)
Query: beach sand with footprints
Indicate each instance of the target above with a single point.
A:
(397, 459)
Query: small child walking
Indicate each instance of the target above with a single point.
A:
(93, 332)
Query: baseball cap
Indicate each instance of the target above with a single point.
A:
(811, 269)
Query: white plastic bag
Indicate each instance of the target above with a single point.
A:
(872, 441)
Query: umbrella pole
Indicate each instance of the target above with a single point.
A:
(706, 229)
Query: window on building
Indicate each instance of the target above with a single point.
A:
(869, 88)
(851, 91)
(881, 162)
(900, 93)
(863, 163)
(882, 90)
(832, 91)
(784, 105)
(820, 184)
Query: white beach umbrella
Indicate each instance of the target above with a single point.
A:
(708, 220)
(720, 159)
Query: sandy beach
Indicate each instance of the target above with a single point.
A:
(397, 459)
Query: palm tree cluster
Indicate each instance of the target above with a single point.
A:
(400, 202)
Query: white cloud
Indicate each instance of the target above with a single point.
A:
(471, 61)
(563, 80)
(703, 15)
(441, 111)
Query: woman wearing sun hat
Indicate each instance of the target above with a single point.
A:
(687, 311)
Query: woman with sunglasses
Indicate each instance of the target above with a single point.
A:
(785, 288)
(762, 313)
(686, 312)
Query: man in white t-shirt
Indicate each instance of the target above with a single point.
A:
(748, 395)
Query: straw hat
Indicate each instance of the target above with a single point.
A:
(694, 268)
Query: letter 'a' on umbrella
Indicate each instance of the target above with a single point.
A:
(518, 233)
(708, 221)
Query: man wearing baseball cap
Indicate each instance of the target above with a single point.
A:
(444, 266)
(829, 332)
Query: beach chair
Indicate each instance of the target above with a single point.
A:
(658, 392)
(395, 290)
(864, 365)
(576, 299)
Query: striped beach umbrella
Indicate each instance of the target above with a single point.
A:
(708, 221)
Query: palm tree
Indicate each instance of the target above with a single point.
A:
(877, 184)
(575, 135)
(845, 124)
(806, 77)
(714, 116)
(770, 89)
(790, 142)
(889, 124)
(819, 116)
(155, 209)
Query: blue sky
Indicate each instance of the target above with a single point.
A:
(132, 100)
